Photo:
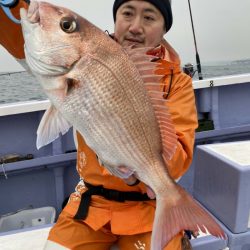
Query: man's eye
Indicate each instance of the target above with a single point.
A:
(149, 18)
(127, 13)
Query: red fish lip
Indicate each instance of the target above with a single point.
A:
(33, 14)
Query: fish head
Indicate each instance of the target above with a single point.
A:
(56, 39)
(49, 50)
(53, 38)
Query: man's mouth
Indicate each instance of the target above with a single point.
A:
(133, 40)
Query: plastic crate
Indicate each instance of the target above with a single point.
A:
(222, 182)
(238, 241)
(208, 243)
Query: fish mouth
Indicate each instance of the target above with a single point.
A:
(33, 14)
(30, 21)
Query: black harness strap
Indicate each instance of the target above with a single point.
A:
(109, 194)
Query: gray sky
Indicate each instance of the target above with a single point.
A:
(221, 26)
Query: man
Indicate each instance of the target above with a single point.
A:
(90, 221)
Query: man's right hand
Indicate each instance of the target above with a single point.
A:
(132, 181)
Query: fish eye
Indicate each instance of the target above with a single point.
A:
(68, 24)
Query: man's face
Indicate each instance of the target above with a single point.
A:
(139, 23)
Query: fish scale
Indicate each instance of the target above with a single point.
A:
(97, 125)
(102, 96)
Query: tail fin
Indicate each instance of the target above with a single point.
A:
(185, 214)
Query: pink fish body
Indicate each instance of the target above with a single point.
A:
(109, 95)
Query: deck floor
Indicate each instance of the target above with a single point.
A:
(32, 239)
(28, 240)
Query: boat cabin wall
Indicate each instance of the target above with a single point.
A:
(18, 135)
(44, 180)
(223, 105)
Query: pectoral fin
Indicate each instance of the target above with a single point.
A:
(50, 127)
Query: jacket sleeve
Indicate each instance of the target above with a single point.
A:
(182, 108)
(11, 37)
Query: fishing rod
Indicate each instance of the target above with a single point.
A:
(195, 44)
(10, 73)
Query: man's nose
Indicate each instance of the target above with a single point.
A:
(136, 26)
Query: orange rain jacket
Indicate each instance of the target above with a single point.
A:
(131, 217)
(11, 37)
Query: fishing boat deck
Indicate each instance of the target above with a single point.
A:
(222, 107)
(20, 239)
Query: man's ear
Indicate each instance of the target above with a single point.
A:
(165, 29)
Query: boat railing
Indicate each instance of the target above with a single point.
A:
(32, 106)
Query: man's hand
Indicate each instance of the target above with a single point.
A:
(150, 193)
(132, 181)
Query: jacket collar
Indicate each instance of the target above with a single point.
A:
(168, 56)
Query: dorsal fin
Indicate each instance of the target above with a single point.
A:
(147, 66)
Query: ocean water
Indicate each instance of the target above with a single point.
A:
(21, 86)
(225, 69)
